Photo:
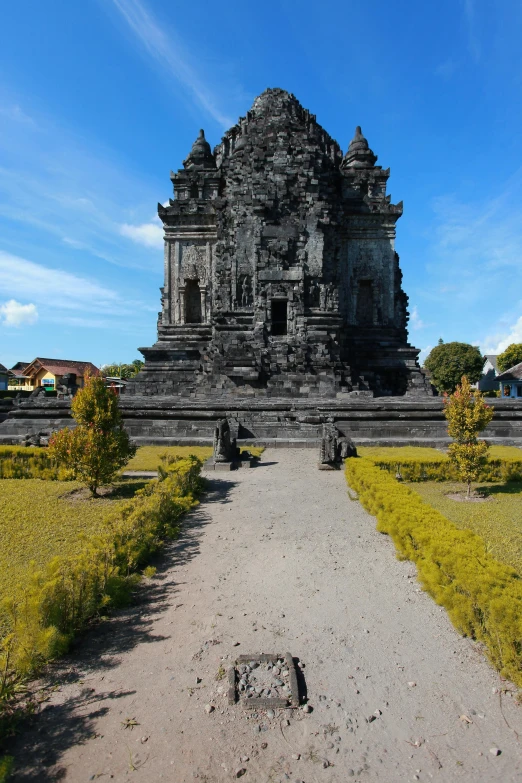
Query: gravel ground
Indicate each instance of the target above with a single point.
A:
(277, 558)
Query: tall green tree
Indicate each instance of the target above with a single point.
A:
(467, 415)
(98, 447)
(511, 356)
(448, 362)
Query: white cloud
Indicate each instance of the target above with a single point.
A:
(148, 234)
(20, 277)
(169, 51)
(424, 353)
(497, 343)
(15, 314)
(416, 321)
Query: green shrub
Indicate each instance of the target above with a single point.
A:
(96, 449)
(483, 597)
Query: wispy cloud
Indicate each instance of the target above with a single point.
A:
(447, 68)
(14, 313)
(471, 27)
(416, 322)
(499, 342)
(148, 234)
(52, 287)
(15, 113)
(475, 245)
(169, 51)
(473, 272)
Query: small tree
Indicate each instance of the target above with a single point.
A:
(511, 356)
(467, 415)
(448, 362)
(99, 446)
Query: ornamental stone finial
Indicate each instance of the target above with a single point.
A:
(359, 154)
(200, 156)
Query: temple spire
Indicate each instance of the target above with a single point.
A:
(200, 156)
(359, 154)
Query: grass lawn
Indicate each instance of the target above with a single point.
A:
(149, 457)
(498, 520)
(40, 519)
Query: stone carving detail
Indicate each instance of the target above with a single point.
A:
(68, 387)
(244, 291)
(334, 446)
(225, 449)
(194, 263)
(40, 438)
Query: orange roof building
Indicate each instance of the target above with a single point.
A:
(49, 372)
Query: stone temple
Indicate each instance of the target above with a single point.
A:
(281, 276)
(282, 309)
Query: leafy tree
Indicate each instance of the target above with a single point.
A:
(448, 362)
(511, 356)
(124, 371)
(467, 415)
(98, 447)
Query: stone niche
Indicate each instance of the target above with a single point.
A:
(281, 276)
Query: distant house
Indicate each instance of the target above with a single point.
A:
(17, 380)
(3, 377)
(116, 384)
(511, 382)
(489, 381)
(49, 372)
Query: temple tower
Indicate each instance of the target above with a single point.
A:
(281, 276)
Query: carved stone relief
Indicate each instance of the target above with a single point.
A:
(194, 263)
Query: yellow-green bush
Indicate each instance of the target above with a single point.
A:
(482, 596)
(423, 464)
(60, 597)
(26, 462)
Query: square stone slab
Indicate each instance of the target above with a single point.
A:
(263, 702)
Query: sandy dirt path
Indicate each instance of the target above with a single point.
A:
(277, 558)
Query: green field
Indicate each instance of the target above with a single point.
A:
(498, 520)
(42, 519)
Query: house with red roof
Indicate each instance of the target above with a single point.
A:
(49, 372)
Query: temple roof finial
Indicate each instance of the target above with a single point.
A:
(359, 154)
(200, 156)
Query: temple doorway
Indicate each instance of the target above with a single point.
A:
(192, 302)
(279, 317)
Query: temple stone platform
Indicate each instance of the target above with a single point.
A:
(389, 421)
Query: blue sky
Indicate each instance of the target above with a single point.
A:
(100, 99)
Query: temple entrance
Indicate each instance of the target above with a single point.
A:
(192, 302)
(279, 317)
(364, 313)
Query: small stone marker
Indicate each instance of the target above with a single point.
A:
(253, 681)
